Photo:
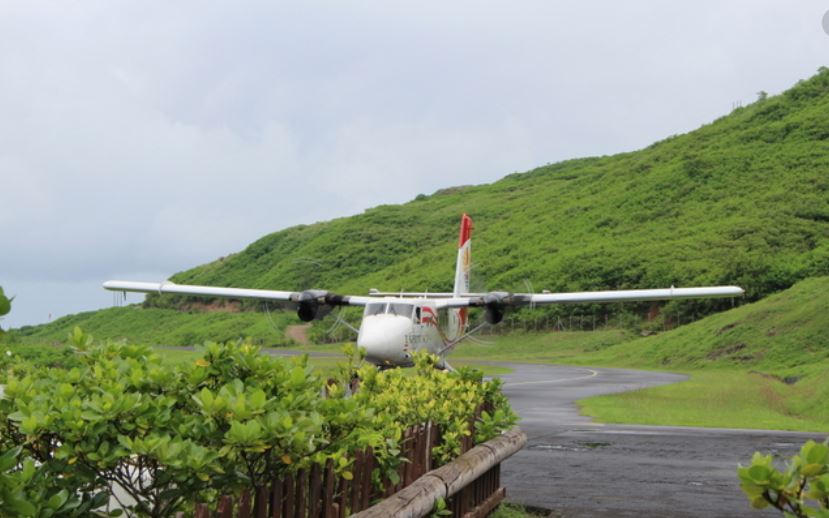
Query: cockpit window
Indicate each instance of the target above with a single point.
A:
(375, 309)
(392, 308)
(401, 310)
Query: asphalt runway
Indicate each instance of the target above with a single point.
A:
(578, 468)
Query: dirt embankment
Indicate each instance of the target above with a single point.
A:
(298, 333)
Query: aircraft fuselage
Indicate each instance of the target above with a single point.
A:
(393, 329)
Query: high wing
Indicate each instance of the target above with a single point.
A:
(501, 299)
(209, 291)
(421, 294)
(308, 300)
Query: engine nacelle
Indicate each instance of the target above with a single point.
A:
(307, 310)
(495, 307)
(308, 305)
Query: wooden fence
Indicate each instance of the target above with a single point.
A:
(469, 483)
(319, 492)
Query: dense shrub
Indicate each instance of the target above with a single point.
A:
(234, 419)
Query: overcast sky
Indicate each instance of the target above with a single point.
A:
(141, 138)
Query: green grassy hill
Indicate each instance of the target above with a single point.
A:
(785, 334)
(743, 200)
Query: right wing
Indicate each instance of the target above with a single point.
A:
(635, 295)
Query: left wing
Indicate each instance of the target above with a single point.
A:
(310, 303)
(503, 299)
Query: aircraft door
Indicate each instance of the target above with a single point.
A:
(418, 328)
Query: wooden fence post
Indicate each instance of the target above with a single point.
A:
(314, 495)
(328, 494)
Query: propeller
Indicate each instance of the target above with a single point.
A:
(528, 285)
(340, 321)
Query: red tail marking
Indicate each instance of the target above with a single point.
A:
(466, 229)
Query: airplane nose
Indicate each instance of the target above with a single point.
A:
(383, 338)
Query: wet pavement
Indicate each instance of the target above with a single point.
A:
(578, 468)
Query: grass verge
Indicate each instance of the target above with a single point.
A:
(722, 399)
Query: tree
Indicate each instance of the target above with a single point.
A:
(5, 306)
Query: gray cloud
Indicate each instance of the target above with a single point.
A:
(138, 139)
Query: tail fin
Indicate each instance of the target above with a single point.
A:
(458, 320)
(464, 257)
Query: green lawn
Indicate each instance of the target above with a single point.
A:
(550, 347)
(721, 398)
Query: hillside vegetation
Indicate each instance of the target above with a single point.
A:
(743, 200)
(784, 334)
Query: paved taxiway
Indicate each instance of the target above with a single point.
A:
(578, 468)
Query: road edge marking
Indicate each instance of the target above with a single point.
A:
(593, 374)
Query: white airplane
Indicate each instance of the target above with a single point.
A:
(395, 325)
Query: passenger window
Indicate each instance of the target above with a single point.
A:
(417, 315)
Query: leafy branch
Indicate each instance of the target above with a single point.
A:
(800, 490)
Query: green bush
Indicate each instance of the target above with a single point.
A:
(801, 489)
(36, 490)
(31, 490)
(232, 420)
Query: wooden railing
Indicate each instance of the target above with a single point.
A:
(470, 483)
